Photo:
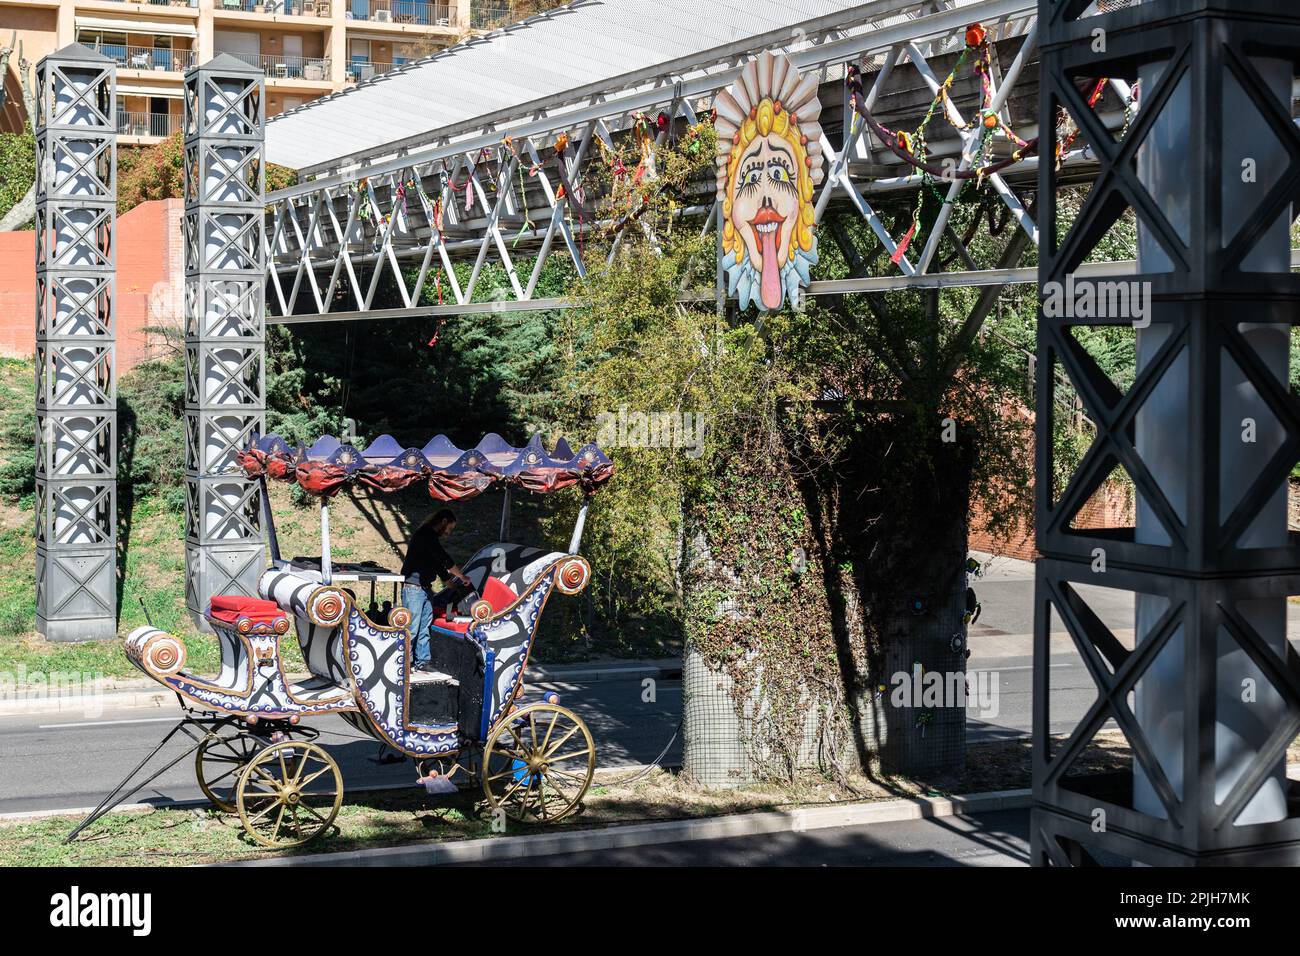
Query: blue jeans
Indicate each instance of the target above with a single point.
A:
(416, 600)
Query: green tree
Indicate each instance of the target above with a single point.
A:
(146, 173)
(818, 545)
(17, 168)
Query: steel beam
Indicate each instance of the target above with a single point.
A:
(1208, 695)
(396, 220)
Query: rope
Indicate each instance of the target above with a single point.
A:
(648, 769)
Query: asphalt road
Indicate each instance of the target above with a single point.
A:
(62, 761)
(1001, 641)
(989, 839)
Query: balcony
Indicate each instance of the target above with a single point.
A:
(287, 67)
(485, 16)
(401, 11)
(364, 71)
(146, 57)
(282, 8)
(159, 125)
(163, 3)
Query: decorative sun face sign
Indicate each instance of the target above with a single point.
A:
(769, 162)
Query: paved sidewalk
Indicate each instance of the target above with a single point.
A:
(998, 838)
(943, 827)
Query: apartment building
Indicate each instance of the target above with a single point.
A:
(308, 48)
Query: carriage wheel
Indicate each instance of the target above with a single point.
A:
(537, 763)
(289, 794)
(218, 765)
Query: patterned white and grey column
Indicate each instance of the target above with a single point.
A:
(224, 327)
(76, 396)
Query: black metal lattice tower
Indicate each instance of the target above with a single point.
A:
(76, 392)
(1210, 166)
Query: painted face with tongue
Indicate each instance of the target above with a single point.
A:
(765, 211)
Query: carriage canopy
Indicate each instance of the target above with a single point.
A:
(453, 474)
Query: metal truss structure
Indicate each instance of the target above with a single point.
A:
(224, 328)
(1206, 562)
(76, 394)
(393, 222)
(1208, 694)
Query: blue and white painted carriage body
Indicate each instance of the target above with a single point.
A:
(357, 667)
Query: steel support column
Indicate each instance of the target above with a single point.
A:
(224, 328)
(1208, 693)
(76, 396)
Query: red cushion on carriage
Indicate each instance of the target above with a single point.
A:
(232, 607)
(498, 594)
(442, 623)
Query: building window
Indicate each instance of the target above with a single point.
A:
(162, 53)
(111, 45)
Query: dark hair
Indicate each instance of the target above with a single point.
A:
(441, 517)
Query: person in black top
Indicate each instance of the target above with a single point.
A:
(427, 561)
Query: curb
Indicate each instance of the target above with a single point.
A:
(204, 802)
(196, 803)
(143, 692)
(799, 820)
(92, 705)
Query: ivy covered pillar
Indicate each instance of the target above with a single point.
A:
(763, 694)
(224, 328)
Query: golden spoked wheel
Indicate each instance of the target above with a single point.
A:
(218, 765)
(537, 763)
(289, 794)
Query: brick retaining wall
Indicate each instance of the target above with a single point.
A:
(150, 283)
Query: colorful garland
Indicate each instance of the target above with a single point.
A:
(913, 148)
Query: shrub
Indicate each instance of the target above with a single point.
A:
(17, 168)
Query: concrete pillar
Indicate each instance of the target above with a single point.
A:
(337, 46)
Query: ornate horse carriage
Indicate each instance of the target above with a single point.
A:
(253, 753)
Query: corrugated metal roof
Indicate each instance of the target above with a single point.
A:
(588, 42)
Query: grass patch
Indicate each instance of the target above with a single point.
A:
(370, 820)
(167, 837)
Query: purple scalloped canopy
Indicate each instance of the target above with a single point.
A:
(453, 474)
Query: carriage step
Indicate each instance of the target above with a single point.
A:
(433, 698)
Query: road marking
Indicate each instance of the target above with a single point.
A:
(108, 723)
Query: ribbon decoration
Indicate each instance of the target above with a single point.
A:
(899, 143)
